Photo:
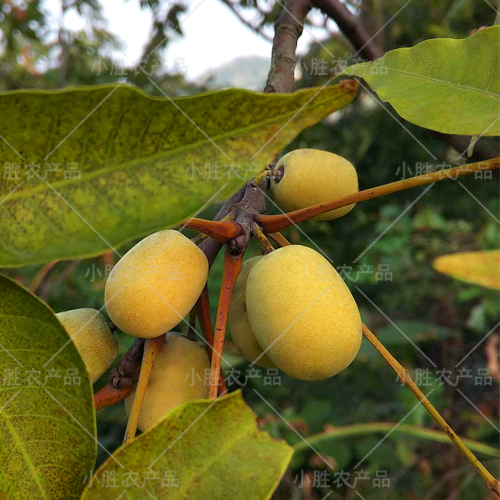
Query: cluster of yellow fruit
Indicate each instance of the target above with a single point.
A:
(150, 291)
(290, 308)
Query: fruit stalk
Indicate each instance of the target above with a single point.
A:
(264, 242)
(492, 483)
(203, 311)
(220, 231)
(279, 239)
(232, 267)
(152, 348)
(274, 223)
(203, 236)
(109, 396)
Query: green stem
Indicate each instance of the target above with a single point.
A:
(395, 429)
(492, 483)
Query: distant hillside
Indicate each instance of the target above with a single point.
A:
(245, 72)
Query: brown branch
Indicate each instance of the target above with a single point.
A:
(492, 483)
(274, 223)
(127, 371)
(247, 210)
(350, 26)
(257, 29)
(209, 246)
(232, 267)
(287, 31)
(123, 378)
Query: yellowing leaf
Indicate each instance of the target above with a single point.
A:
(47, 418)
(448, 85)
(202, 450)
(86, 169)
(479, 268)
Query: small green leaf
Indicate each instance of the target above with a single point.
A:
(47, 418)
(480, 268)
(87, 169)
(201, 450)
(448, 85)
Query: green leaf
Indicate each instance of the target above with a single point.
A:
(416, 331)
(392, 429)
(47, 418)
(480, 268)
(202, 449)
(448, 85)
(130, 164)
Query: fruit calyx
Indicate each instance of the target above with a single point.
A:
(278, 174)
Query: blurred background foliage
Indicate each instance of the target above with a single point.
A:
(384, 248)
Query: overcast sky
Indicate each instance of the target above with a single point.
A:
(213, 35)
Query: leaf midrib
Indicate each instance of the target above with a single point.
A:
(437, 80)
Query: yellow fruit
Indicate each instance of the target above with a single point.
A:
(180, 374)
(302, 313)
(241, 331)
(92, 337)
(155, 284)
(311, 176)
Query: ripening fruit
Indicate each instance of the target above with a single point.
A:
(311, 176)
(179, 375)
(302, 311)
(93, 339)
(241, 331)
(155, 284)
